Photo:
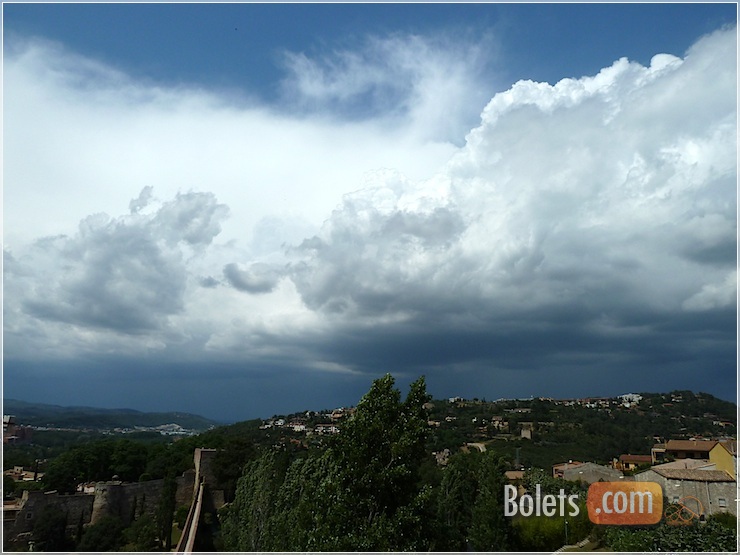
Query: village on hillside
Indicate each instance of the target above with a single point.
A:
(683, 441)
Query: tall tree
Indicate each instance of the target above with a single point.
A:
(456, 497)
(246, 522)
(104, 535)
(166, 512)
(490, 530)
(361, 494)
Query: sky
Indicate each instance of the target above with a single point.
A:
(241, 210)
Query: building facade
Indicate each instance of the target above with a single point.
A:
(715, 490)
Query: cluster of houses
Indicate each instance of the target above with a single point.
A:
(627, 400)
(20, 474)
(328, 422)
(699, 472)
(15, 434)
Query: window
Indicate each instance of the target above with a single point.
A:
(675, 499)
(29, 515)
(722, 502)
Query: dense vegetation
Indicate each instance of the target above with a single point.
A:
(371, 489)
(718, 534)
(376, 486)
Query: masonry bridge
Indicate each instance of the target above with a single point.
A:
(206, 500)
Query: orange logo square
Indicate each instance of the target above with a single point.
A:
(625, 503)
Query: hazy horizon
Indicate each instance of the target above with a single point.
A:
(352, 404)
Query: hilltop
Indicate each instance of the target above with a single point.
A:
(40, 415)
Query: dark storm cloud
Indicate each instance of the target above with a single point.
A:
(117, 277)
(126, 274)
(535, 341)
(258, 278)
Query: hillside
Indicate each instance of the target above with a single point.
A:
(540, 432)
(55, 416)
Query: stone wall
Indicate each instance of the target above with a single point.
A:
(203, 459)
(75, 506)
(709, 493)
(123, 500)
(185, 488)
(126, 501)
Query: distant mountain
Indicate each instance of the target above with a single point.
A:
(37, 414)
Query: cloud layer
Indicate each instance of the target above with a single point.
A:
(585, 229)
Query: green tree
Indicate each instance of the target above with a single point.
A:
(228, 464)
(539, 533)
(50, 530)
(8, 486)
(63, 473)
(246, 522)
(128, 460)
(141, 535)
(181, 516)
(378, 457)
(166, 512)
(711, 536)
(375, 450)
(456, 497)
(490, 529)
(300, 521)
(725, 519)
(361, 494)
(105, 535)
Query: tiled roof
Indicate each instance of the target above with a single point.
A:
(635, 458)
(696, 475)
(689, 445)
(684, 464)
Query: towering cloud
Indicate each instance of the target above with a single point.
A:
(581, 227)
(580, 221)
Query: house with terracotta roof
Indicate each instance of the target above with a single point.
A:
(689, 448)
(722, 453)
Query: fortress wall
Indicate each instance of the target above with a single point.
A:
(126, 501)
(75, 506)
(203, 459)
(185, 488)
(123, 500)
